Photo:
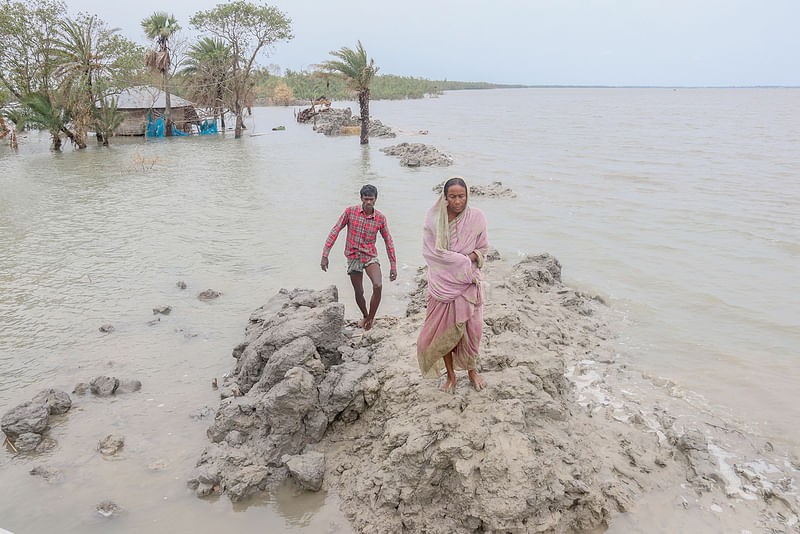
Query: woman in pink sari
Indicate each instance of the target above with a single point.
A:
(454, 246)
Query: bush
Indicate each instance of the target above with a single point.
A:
(282, 95)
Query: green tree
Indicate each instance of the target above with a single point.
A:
(27, 33)
(107, 118)
(60, 68)
(209, 64)
(248, 30)
(91, 62)
(75, 63)
(46, 114)
(358, 71)
(160, 27)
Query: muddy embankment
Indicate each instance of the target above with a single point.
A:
(334, 121)
(564, 438)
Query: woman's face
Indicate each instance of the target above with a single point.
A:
(456, 198)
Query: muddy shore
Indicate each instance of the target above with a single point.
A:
(565, 438)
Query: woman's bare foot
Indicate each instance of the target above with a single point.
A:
(362, 322)
(367, 323)
(477, 382)
(449, 385)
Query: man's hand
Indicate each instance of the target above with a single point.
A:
(392, 274)
(324, 263)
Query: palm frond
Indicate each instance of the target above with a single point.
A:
(108, 118)
(160, 26)
(44, 113)
(353, 65)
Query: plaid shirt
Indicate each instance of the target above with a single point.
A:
(362, 231)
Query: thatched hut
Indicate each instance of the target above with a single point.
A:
(138, 101)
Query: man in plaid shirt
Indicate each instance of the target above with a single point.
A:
(363, 224)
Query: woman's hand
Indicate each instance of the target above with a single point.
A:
(473, 256)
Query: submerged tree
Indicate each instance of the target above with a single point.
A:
(107, 118)
(248, 30)
(91, 62)
(209, 64)
(160, 28)
(77, 62)
(358, 71)
(47, 114)
(60, 68)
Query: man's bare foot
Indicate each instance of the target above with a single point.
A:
(449, 385)
(477, 382)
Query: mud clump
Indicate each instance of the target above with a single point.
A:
(493, 190)
(294, 377)
(418, 155)
(334, 122)
(25, 426)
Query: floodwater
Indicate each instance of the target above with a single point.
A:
(681, 208)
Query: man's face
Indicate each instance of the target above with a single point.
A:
(368, 202)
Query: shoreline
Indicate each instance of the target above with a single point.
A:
(557, 222)
(565, 426)
(564, 438)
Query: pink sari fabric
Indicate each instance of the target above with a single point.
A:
(454, 317)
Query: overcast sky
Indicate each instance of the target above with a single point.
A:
(563, 42)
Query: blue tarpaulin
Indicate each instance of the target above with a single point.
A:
(155, 128)
(208, 127)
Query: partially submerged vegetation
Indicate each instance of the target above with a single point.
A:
(59, 69)
(62, 73)
(358, 71)
(247, 30)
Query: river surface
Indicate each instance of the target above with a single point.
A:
(681, 208)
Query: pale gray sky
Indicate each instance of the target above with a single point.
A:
(570, 42)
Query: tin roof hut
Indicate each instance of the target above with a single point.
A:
(138, 101)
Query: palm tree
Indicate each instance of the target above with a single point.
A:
(160, 27)
(209, 65)
(358, 72)
(48, 115)
(107, 119)
(78, 63)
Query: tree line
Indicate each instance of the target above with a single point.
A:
(61, 70)
(62, 74)
(309, 85)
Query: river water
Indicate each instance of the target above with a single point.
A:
(681, 208)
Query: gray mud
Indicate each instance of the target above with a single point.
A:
(565, 438)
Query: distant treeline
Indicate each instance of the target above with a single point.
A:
(453, 85)
(305, 85)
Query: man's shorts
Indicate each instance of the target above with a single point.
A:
(354, 265)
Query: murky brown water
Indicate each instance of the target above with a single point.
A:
(682, 208)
